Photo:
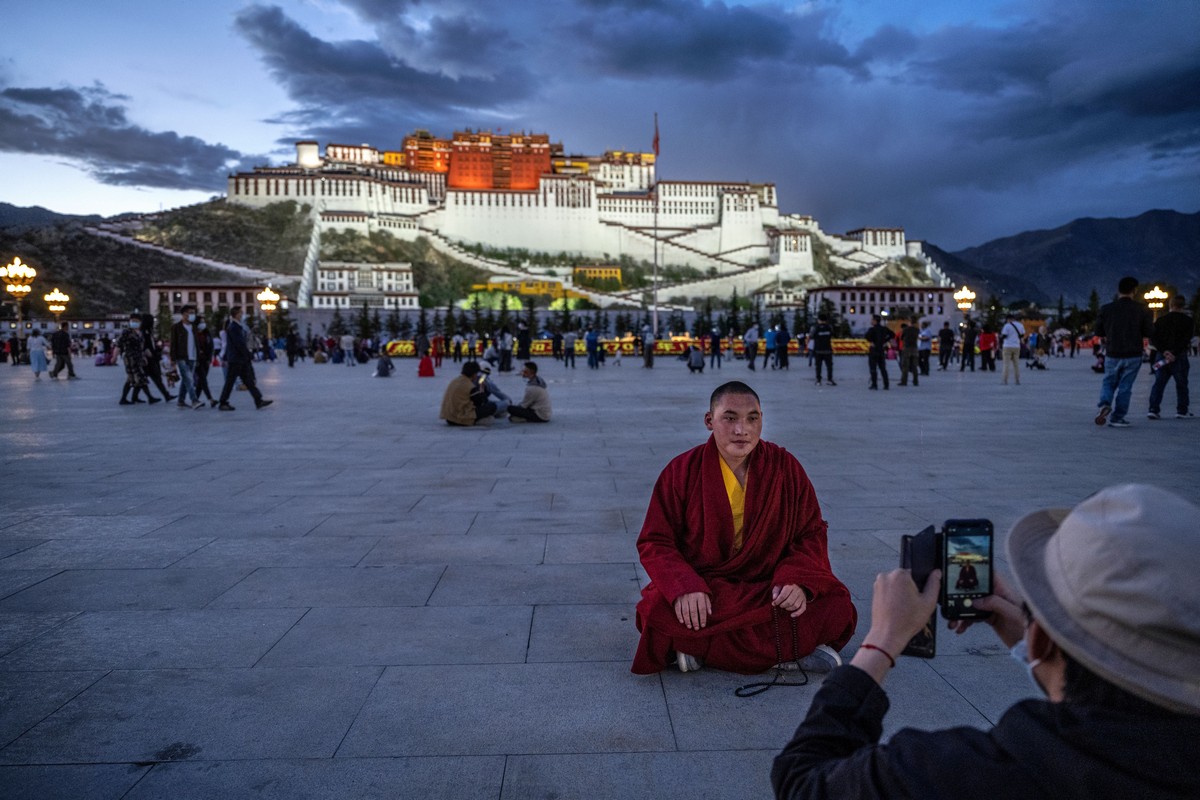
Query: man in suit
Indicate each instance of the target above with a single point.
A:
(239, 358)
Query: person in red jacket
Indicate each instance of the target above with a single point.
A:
(735, 547)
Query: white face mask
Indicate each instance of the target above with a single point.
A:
(203, 325)
(135, 325)
(1020, 653)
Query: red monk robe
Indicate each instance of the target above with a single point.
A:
(686, 545)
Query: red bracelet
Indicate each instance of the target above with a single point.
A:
(888, 655)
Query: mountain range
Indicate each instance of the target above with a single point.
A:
(1085, 254)
(1070, 261)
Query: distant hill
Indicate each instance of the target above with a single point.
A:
(1158, 246)
(35, 216)
(102, 276)
(986, 283)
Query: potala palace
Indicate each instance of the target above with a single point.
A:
(520, 191)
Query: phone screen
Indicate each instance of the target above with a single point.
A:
(968, 566)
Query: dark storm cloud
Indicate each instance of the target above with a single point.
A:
(89, 125)
(702, 41)
(359, 85)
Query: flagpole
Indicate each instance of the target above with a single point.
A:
(654, 286)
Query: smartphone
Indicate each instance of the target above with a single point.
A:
(920, 554)
(967, 567)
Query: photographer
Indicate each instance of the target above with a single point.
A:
(1105, 617)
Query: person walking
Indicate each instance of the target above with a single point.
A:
(821, 341)
(648, 342)
(783, 340)
(924, 348)
(204, 358)
(36, 344)
(569, 349)
(769, 355)
(1010, 348)
(909, 339)
(714, 349)
(239, 357)
(1172, 339)
(945, 347)
(968, 346)
(878, 337)
(185, 354)
(1122, 327)
(750, 345)
(60, 346)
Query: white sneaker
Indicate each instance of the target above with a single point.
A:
(687, 663)
(823, 659)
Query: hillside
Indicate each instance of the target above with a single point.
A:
(273, 238)
(441, 279)
(1086, 254)
(986, 283)
(101, 276)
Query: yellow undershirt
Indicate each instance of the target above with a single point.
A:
(737, 502)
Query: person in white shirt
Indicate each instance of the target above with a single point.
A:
(1010, 347)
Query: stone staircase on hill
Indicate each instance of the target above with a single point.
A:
(253, 274)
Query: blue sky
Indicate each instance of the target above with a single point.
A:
(960, 121)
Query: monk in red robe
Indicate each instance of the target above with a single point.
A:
(735, 548)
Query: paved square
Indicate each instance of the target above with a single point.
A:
(339, 596)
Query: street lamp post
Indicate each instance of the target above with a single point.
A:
(17, 276)
(1156, 299)
(56, 301)
(267, 300)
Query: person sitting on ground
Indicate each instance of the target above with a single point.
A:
(735, 547)
(1092, 620)
(535, 405)
(465, 400)
(383, 365)
(695, 359)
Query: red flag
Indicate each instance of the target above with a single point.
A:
(656, 135)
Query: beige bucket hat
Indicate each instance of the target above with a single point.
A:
(1116, 583)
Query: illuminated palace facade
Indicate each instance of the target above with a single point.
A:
(520, 190)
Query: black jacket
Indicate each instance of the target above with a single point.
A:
(1037, 750)
(1172, 333)
(879, 336)
(1124, 323)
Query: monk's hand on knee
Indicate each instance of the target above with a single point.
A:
(692, 610)
(790, 598)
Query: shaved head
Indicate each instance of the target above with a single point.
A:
(733, 387)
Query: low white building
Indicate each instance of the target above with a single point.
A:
(857, 304)
(342, 284)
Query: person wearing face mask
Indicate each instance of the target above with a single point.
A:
(132, 346)
(185, 354)
(1104, 618)
(204, 357)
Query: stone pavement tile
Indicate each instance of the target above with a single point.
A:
(221, 499)
(332, 587)
(510, 708)
(463, 778)
(10, 518)
(868, 518)
(457, 549)
(282, 523)
(392, 636)
(26, 698)
(661, 776)
(124, 590)
(156, 640)
(545, 521)
(591, 548)
(534, 499)
(67, 526)
(708, 716)
(14, 580)
(992, 683)
(101, 554)
(383, 502)
(15, 544)
(468, 584)
(20, 627)
(317, 551)
(93, 781)
(345, 484)
(178, 715)
(583, 633)
(397, 523)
